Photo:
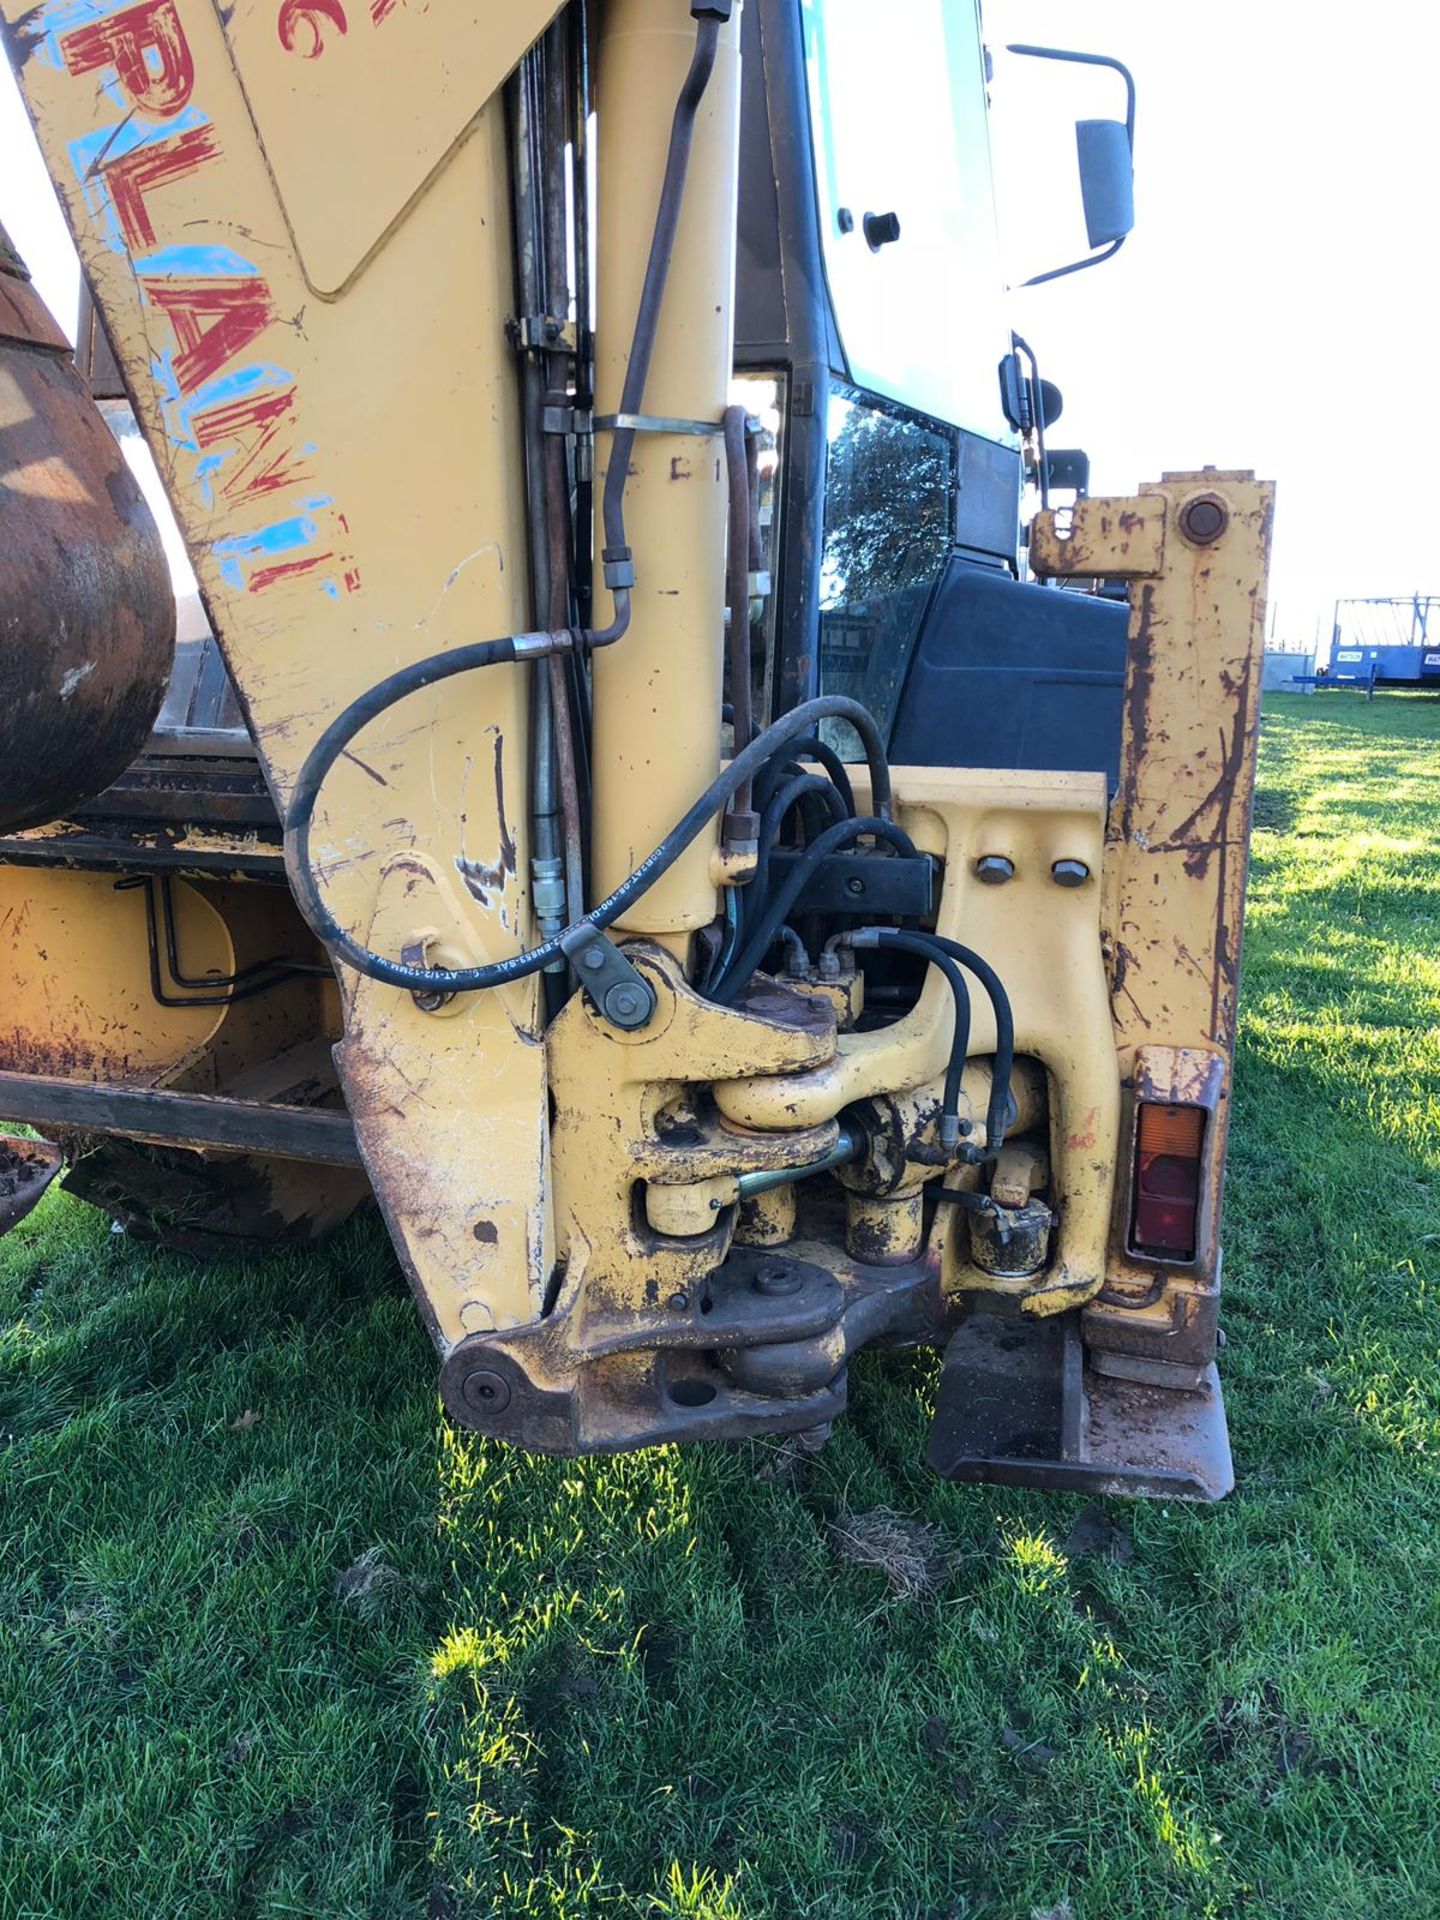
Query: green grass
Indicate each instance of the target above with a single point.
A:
(649, 1686)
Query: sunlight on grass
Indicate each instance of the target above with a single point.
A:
(1037, 1561)
(1180, 1836)
(695, 1894)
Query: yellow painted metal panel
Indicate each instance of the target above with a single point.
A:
(77, 1001)
(347, 476)
(1178, 835)
(657, 694)
(357, 102)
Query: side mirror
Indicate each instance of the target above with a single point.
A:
(1106, 153)
(1107, 180)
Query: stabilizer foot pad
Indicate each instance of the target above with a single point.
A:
(1018, 1406)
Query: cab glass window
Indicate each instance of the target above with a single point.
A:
(889, 506)
(897, 97)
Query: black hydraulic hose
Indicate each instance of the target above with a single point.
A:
(932, 950)
(815, 749)
(773, 818)
(796, 789)
(423, 673)
(771, 780)
(435, 667)
(840, 801)
(1001, 1106)
(777, 910)
(647, 315)
(794, 768)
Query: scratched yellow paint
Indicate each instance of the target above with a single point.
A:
(324, 374)
(373, 516)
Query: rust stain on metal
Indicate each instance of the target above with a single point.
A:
(507, 842)
(485, 877)
(1106, 537)
(872, 1238)
(1121, 960)
(1199, 849)
(1226, 840)
(71, 1055)
(1176, 867)
(1139, 680)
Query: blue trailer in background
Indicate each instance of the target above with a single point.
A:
(1386, 643)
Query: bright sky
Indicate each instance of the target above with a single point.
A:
(1275, 307)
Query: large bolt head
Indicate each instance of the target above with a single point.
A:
(485, 1393)
(993, 869)
(628, 1005)
(1069, 873)
(776, 1280)
(1203, 519)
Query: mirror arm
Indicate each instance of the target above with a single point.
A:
(1076, 266)
(1084, 60)
(1090, 60)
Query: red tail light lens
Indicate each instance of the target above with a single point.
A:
(1168, 1167)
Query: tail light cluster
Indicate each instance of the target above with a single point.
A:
(1169, 1147)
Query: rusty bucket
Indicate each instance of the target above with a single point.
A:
(87, 612)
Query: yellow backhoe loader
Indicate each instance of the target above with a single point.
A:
(638, 804)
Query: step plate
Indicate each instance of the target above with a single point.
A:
(1019, 1406)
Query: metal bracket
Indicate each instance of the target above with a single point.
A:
(620, 994)
(567, 420)
(543, 332)
(876, 884)
(652, 423)
(1115, 539)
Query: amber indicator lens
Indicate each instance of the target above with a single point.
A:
(1168, 1151)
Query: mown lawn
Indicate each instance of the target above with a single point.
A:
(651, 1686)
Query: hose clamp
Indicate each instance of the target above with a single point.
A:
(652, 423)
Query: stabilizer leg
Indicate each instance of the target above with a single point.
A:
(1019, 1405)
